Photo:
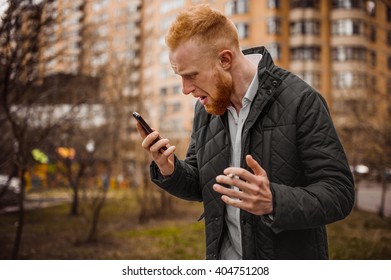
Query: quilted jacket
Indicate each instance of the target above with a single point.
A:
(289, 131)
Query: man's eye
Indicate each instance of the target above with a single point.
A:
(190, 77)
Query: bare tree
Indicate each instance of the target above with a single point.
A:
(367, 140)
(21, 30)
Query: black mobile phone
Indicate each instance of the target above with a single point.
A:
(146, 127)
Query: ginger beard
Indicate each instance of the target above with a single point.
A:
(220, 97)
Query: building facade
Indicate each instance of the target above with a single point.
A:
(100, 39)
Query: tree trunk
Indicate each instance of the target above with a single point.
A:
(92, 235)
(20, 223)
(356, 183)
(75, 201)
(382, 209)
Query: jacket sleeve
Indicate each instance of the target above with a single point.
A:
(183, 183)
(329, 194)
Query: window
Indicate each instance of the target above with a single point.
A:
(311, 77)
(236, 7)
(273, 4)
(389, 37)
(176, 107)
(348, 27)
(164, 59)
(274, 25)
(305, 27)
(163, 91)
(242, 30)
(348, 4)
(388, 13)
(389, 62)
(167, 6)
(372, 82)
(305, 53)
(274, 50)
(349, 80)
(163, 109)
(305, 4)
(373, 58)
(176, 89)
(371, 8)
(372, 33)
(347, 53)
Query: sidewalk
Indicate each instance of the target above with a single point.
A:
(35, 202)
(369, 197)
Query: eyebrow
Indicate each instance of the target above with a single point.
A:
(188, 74)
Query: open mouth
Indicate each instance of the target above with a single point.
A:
(203, 99)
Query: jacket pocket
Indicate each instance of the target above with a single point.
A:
(267, 150)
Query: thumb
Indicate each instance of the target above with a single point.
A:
(254, 165)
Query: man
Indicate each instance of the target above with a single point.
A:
(264, 156)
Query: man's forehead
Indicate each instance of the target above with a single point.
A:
(183, 62)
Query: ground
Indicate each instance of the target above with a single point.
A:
(51, 233)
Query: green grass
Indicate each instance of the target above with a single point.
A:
(52, 234)
(361, 235)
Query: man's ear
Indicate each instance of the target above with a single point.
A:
(225, 58)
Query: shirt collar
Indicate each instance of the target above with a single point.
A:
(252, 90)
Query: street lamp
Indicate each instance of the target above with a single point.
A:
(90, 146)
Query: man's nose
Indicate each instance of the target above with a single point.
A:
(187, 87)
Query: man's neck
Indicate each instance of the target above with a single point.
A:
(243, 74)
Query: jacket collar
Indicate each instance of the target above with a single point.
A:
(266, 61)
(267, 85)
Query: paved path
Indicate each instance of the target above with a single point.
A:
(36, 202)
(369, 197)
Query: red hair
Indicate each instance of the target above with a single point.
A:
(204, 25)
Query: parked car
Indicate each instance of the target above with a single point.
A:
(9, 193)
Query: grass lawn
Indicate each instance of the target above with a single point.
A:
(51, 233)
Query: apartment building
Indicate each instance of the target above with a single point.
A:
(101, 40)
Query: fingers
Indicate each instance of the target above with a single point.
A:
(231, 193)
(232, 180)
(154, 144)
(141, 130)
(244, 174)
(160, 149)
(150, 140)
(253, 192)
(255, 166)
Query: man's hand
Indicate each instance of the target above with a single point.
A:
(254, 195)
(163, 158)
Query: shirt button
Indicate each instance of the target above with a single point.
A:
(244, 222)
